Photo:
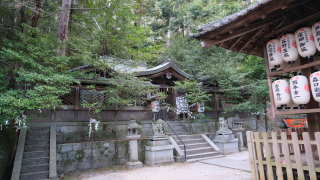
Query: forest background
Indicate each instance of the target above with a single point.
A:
(41, 39)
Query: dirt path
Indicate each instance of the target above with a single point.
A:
(177, 171)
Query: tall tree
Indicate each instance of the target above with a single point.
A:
(63, 24)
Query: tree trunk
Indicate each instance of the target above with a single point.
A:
(63, 24)
(37, 14)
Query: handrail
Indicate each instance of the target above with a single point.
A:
(185, 154)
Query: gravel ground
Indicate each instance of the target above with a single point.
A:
(243, 155)
(176, 171)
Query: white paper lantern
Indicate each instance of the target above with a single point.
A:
(276, 105)
(289, 104)
(315, 85)
(305, 42)
(289, 50)
(281, 92)
(283, 66)
(316, 34)
(272, 68)
(300, 91)
(200, 107)
(274, 53)
(155, 106)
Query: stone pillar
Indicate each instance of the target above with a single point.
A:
(159, 151)
(133, 145)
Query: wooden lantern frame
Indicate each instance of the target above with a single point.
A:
(250, 29)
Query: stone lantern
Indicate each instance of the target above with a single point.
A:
(133, 145)
(238, 129)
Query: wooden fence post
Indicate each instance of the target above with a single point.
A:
(297, 155)
(285, 148)
(268, 156)
(259, 154)
(309, 155)
(276, 152)
(253, 165)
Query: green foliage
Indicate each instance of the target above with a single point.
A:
(126, 90)
(35, 76)
(193, 90)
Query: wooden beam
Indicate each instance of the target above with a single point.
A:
(280, 24)
(253, 15)
(300, 111)
(236, 42)
(254, 47)
(295, 68)
(269, 79)
(253, 37)
(209, 42)
(258, 51)
(316, 15)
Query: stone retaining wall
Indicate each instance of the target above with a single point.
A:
(77, 156)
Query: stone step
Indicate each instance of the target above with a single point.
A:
(31, 148)
(190, 141)
(203, 155)
(200, 159)
(177, 128)
(37, 142)
(34, 168)
(34, 161)
(178, 133)
(173, 123)
(38, 130)
(186, 137)
(38, 136)
(200, 150)
(36, 154)
(35, 176)
(195, 145)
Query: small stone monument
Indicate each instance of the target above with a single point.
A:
(224, 138)
(159, 151)
(133, 146)
(238, 129)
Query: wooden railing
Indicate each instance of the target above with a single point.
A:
(288, 154)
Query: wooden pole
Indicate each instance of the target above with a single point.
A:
(268, 78)
(313, 121)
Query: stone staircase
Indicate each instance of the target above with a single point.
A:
(178, 128)
(197, 147)
(36, 156)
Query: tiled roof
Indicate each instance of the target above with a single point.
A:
(226, 20)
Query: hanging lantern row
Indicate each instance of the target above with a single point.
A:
(295, 95)
(304, 42)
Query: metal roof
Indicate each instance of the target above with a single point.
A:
(163, 66)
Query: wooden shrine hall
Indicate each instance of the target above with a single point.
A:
(163, 75)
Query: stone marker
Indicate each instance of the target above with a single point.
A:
(133, 145)
(159, 151)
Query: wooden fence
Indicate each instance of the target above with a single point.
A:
(281, 155)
